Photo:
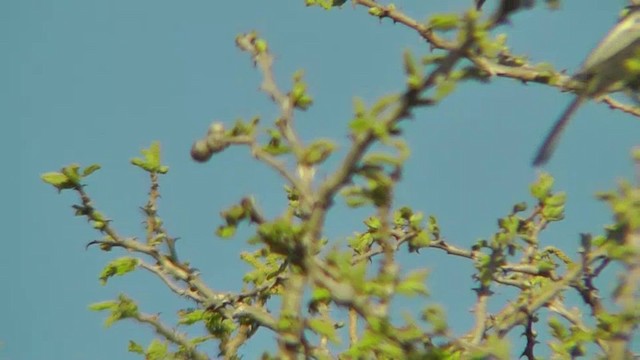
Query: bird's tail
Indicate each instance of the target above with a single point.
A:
(551, 141)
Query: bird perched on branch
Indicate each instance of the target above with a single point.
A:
(614, 65)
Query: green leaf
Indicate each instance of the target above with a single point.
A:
(199, 340)
(545, 266)
(58, 180)
(361, 125)
(261, 46)
(410, 332)
(98, 216)
(414, 82)
(226, 231)
(436, 316)
(138, 162)
(553, 213)
(391, 350)
(321, 294)
(125, 308)
(234, 214)
(444, 22)
(433, 59)
(275, 146)
(496, 348)
(359, 107)
(416, 220)
(90, 169)
(361, 243)
(558, 330)
(384, 103)
(354, 196)
(557, 199)
(410, 66)
(242, 128)
(444, 87)
(376, 11)
(373, 223)
(152, 154)
(419, 241)
(324, 328)
(280, 235)
(118, 267)
(433, 226)
(98, 225)
(402, 215)
(355, 202)
(304, 102)
(72, 173)
(519, 207)
(317, 152)
(380, 159)
(623, 252)
(541, 189)
(104, 305)
(157, 350)
(134, 347)
(299, 95)
(191, 317)
(510, 224)
(361, 349)
(413, 284)
(150, 161)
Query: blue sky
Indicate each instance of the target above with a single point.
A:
(96, 81)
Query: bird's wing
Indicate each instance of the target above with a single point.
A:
(619, 38)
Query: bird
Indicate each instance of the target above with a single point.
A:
(605, 70)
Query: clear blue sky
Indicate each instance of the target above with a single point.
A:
(95, 81)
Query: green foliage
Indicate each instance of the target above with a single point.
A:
(69, 177)
(157, 350)
(280, 236)
(266, 266)
(150, 160)
(625, 205)
(325, 328)
(317, 152)
(552, 205)
(445, 22)
(293, 264)
(135, 348)
(233, 216)
(326, 4)
(301, 99)
(217, 325)
(123, 308)
(118, 267)
(413, 284)
(276, 146)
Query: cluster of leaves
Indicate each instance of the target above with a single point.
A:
(309, 275)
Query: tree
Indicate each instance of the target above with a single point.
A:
(299, 276)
